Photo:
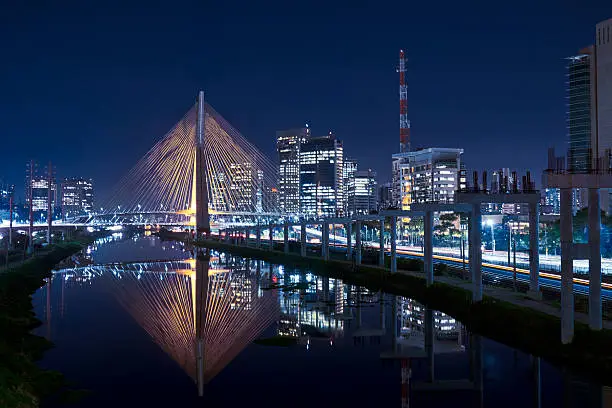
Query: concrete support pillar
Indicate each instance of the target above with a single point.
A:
(428, 247)
(594, 260)
(534, 253)
(393, 243)
(325, 240)
(303, 239)
(381, 243)
(358, 242)
(286, 238)
(476, 253)
(349, 240)
(258, 237)
(567, 267)
(271, 237)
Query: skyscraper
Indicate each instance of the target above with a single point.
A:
(288, 144)
(589, 109)
(349, 169)
(603, 52)
(77, 197)
(362, 197)
(580, 90)
(321, 166)
(37, 185)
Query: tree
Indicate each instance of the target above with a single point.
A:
(446, 230)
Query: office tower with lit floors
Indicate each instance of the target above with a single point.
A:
(288, 144)
(431, 175)
(321, 187)
(362, 193)
(77, 197)
(37, 190)
(589, 110)
(349, 169)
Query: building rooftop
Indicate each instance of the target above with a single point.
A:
(428, 150)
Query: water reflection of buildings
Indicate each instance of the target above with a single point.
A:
(413, 321)
(311, 306)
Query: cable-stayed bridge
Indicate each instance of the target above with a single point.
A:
(202, 171)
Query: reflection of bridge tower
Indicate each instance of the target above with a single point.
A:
(199, 317)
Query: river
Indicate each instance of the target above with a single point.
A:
(138, 322)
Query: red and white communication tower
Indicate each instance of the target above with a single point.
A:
(403, 93)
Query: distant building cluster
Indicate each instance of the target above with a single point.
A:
(43, 195)
(316, 180)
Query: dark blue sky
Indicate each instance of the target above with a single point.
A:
(93, 87)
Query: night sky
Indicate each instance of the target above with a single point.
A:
(93, 87)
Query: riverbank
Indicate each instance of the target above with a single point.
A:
(521, 327)
(22, 383)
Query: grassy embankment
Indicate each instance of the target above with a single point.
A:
(22, 383)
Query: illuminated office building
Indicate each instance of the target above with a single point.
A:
(218, 192)
(349, 169)
(552, 201)
(6, 192)
(40, 190)
(288, 144)
(242, 186)
(362, 193)
(589, 110)
(321, 168)
(429, 175)
(77, 197)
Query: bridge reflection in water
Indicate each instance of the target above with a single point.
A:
(202, 314)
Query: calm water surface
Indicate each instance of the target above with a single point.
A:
(127, 318)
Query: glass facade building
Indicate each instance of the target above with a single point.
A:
(579, 95)
(288, 145)
(77, 197)
(321, 170)
(349, 169)
(362, 193)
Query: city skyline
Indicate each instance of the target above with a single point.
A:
(494, 109)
